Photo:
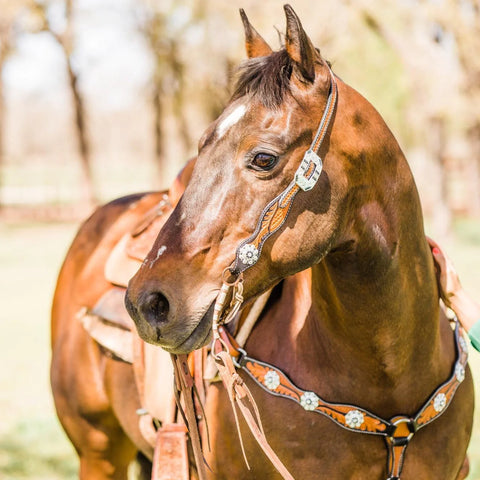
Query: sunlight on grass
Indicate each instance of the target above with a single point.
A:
(36, 449)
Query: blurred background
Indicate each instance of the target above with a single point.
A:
(102, 98)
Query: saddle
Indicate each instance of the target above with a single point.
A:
(109, 324)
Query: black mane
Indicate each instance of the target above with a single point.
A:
(266, 78)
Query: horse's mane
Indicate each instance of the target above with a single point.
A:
(266, 78)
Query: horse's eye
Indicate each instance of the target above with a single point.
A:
(263, 161)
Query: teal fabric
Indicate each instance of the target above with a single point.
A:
(474, 335)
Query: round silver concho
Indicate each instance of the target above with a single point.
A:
(440, 402)
(248, 254)
(459, 372)
(309, 401)
(271, 380)
(463, 344)
(354, 419)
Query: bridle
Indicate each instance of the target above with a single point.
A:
(272, 218)
(276, 212)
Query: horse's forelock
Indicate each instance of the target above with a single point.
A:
(266, 78)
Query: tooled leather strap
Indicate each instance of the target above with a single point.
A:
(276, 212)
(398, 431)
(240, 395)
(186, 386)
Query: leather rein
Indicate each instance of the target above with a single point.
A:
(229, 356)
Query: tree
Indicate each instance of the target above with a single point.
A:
(8, 19)
(65, 40)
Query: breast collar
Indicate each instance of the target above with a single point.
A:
(397, 432)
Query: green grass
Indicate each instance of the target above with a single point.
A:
(32, 444)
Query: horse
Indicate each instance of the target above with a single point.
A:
(96, 396)
(354, 315)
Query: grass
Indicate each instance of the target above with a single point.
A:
(32, 444)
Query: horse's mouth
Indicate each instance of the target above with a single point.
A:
(199, 337)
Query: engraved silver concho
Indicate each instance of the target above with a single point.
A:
(460, 372)
(309, 401)
(440, 402)
(248, 254)
(354, 419)
(271, 380)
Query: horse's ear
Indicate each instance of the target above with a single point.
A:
(255, 45)
(299, 47)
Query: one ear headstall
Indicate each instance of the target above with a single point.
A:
(276, 212)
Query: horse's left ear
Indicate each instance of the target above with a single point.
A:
(255, 45)
(299, 47)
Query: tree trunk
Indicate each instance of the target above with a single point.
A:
(158, 125)
(442, 213)
(64, 40)
(81, 133)
(178, 72)
(4, 51)
(473, 171)
(2, 126)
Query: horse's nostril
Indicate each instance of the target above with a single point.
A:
(155, 308)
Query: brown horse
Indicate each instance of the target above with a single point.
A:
(95, 395)
(354, 316)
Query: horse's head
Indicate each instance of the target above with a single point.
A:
(246, 158)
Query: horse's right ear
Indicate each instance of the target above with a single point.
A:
(255, 45)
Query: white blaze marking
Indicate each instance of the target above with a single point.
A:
(160, 252)
(231, 120)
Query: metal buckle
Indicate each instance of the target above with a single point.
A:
(239, 361)
(401, 441)
(304, 182)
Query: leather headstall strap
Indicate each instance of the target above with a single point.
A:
(186, 389)
(397, 432)
(276, 212)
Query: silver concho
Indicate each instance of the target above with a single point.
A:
(440, 402)
(307, 183)
(463, 344)
(271, 380)
(309, 401)
(459, 372)
(248, 254)
(354, 419)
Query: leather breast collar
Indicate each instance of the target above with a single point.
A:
(397, 432)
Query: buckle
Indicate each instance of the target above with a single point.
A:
(411, 425)
(304, 182)
(239, 361)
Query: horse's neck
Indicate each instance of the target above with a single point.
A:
(366, 315)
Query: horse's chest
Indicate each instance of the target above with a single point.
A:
(314, 447)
